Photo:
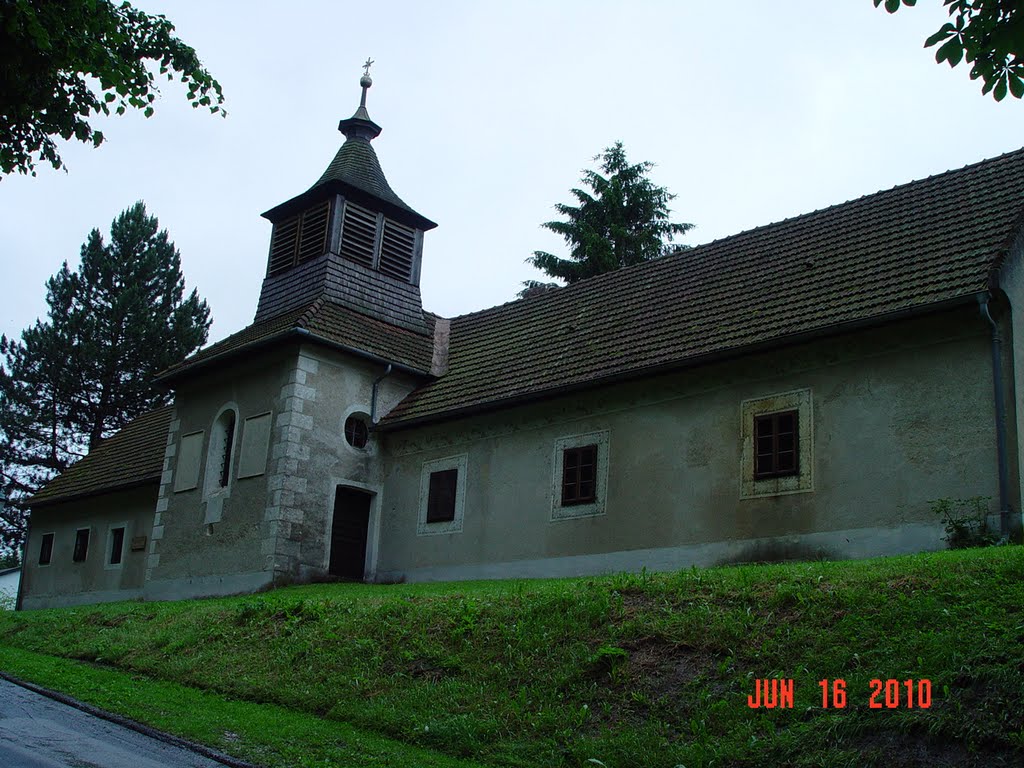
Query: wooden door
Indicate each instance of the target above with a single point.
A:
(348, 533)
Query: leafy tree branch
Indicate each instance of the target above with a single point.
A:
(987, 34)
(63, 63)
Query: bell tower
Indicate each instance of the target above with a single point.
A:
(349, 238)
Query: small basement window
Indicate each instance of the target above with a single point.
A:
(116, 545)
(81, 545)
(356, 431)
(46, 549)
(579, 475)
(776, 449)
(441, 497)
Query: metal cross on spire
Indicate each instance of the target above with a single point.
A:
(365, 81)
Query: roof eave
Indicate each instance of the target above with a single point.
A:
(332, 186)
(691, 362)
(166, 379)
(306, 334)
(126, 486)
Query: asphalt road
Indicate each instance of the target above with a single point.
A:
(37, 732)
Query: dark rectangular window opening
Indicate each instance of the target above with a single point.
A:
(224, 474)
(116, 545)
(776, 445)
(579, 475)
(441, 497)
(46, 549)
(81, 545)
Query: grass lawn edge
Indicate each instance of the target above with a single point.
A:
(240, 734)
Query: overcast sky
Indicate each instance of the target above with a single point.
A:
(753, 111)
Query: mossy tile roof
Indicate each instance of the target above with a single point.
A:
(324, 321)
(134, 456)
(900, 250)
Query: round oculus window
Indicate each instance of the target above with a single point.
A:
(356, 432)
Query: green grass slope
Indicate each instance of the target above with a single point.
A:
(630, 670)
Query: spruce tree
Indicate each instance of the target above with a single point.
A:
(88, 369)
(621, 219)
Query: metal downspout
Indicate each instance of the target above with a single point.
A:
(373, 395)
(1000, 403)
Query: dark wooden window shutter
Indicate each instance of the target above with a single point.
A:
(776, 448)
(359, 234)
(397, 247)
(579, 475)
(441, 497)
(299, 238)
(313, 234)
(282, 245)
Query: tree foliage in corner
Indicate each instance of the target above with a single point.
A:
(64, 61)
(622, 218)
(989, 34)
(86, 371)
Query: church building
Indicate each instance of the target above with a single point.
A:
(805, 389)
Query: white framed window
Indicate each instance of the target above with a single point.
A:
(442, 495)
(579, 476)
(777, 445)
(117, 545)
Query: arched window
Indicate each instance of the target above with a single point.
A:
(223, 474)
(222, 444)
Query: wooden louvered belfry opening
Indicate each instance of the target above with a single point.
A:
(397, 249)
(375, 241)
(367, 238)
(359, 234)
(299, 238)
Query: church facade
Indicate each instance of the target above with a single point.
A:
(804, 389)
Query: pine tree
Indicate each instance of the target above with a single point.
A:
(86, 371)
(623, 219)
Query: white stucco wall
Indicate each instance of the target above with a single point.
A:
(63, 581)
(899, 416)
(1011, 280)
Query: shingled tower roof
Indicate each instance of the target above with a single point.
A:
(348, 239)
(355, 168)
(356, 163)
